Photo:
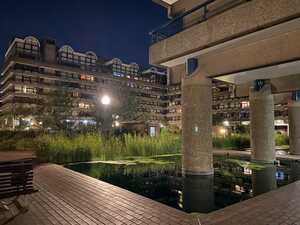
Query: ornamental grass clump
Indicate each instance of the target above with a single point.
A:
(60, 148)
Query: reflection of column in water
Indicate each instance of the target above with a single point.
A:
(198, 194)
(264, 180)
(295, 171)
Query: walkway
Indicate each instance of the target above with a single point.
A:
(248, 153)
(278, 207)
(69, 198)
(66, 197)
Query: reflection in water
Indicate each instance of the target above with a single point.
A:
(264, 180)
(234, 180)
(295, 171)
(198, 194)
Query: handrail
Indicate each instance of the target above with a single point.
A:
(182, 16)
(168, 29)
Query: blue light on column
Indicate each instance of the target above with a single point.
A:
(192, 65)
(259, 84)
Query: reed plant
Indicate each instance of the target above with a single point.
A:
(60, 148)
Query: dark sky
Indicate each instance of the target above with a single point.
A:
(111, 28)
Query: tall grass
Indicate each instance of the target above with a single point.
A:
(59, 148)
(165, 143)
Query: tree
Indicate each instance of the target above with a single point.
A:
(123, 105)
(55, 111)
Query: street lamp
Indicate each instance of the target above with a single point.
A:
(105, 100)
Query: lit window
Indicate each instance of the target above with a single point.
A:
(86, 77)
(245, 104)
(83, 105)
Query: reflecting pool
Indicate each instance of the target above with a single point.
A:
(159, 178)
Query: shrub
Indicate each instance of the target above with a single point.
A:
(281, 139)
(234, 141)
(17, 140)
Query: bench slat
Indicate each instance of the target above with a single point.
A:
(8, 184)
(16, 178)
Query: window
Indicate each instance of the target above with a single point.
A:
(152, 131)
(83, 105)
(245, 104)
(86, 77)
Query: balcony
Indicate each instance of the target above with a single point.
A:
(229, 24)
(192, 17)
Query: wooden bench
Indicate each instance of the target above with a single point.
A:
(16, 179)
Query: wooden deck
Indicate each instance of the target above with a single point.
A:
(66, 197)
(278, 207)
(69, 198)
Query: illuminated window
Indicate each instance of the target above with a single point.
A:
(87, 77)
(245, 104)
(83, 105)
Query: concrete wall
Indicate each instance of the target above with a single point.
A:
(49, 52)
(176, 74)
(242, 19)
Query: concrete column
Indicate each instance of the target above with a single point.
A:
(295, 171)
(294, 123)
(262, 123)
(197, 124)
(198, 194)
(264, 180)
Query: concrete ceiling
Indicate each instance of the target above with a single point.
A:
(165, 3)
(270, 72)
(170, 2)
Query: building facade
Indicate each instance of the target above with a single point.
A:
(228, 108)
(34, 68)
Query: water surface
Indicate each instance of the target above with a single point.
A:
(159, 178)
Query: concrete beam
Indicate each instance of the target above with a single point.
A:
(279, 85)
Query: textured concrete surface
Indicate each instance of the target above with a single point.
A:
(262, 124)
(247, 17)
(294, 126)
(197, 124)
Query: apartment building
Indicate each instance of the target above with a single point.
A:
(34, 68)
(229, 109)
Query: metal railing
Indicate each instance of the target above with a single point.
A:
(192, 17)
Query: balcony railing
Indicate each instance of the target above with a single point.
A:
(192, 17)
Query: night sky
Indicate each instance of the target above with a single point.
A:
(110, 28)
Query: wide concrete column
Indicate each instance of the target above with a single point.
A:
(264, 180)
(294, 123)
(197, 123)
(198, 194)
(262, 122)
(295, 171)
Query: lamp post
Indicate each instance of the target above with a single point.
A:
(106, 125)
(105, 100)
